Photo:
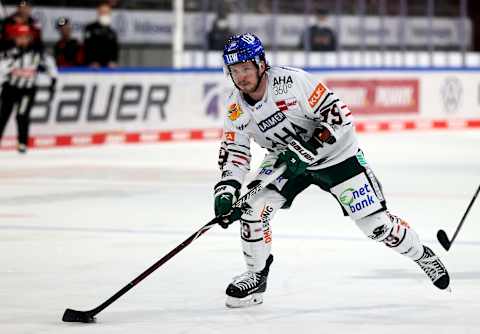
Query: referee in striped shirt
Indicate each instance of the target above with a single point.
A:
(19, 67)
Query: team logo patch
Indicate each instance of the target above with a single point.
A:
(234, 111)
(284, 105)
(230, 136)
(316, 95)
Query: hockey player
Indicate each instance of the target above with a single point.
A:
(306, 127)
(19, 67)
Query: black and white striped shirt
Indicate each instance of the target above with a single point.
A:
(20, 67)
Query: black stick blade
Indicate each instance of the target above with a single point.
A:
(77, 316)
(443, 239)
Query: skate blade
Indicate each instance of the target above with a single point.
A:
(252, 300)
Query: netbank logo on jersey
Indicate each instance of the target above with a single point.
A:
(349, 196)
(357, 196)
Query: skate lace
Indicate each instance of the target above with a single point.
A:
(432, 267)
(247, 280)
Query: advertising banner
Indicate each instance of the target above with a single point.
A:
(368, 97)
(117, 101)
(185, 104)
(156, 27)
(412, 94)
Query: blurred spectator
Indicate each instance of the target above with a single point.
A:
(263, 7)
(101, 45)
(67, 50)
(219, 33)
(320, 36)
(474, 13)
(23, 15)
(20, 65)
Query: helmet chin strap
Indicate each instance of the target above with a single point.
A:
(259, 77)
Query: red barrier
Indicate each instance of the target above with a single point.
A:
(180, 135)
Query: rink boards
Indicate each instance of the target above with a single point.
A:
(150, 105)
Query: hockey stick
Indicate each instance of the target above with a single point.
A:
(442, 235)
(89, 316)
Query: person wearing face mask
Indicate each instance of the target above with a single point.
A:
(100, 40)
(319, 36)
(219, 33)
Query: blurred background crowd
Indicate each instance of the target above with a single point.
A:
(346, 32)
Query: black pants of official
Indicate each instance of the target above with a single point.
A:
(20, 101)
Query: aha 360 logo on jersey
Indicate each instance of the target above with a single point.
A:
(357, 196)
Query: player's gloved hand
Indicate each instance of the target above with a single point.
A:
(297, 157)
(226, 194)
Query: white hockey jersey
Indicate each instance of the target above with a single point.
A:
(294, 104)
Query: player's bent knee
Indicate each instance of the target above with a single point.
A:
(393, 232)
(256, 240)
(250, 230)
(255, 226)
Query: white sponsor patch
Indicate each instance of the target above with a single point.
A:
(357, 196)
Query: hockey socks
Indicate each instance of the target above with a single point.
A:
(395, 233)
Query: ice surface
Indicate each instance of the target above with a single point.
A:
(76, 225)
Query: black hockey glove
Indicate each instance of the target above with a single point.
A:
(297, 157)
(226, 193)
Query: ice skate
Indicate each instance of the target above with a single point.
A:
(248, 288)
(434, 268)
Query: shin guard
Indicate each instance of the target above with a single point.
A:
(393, 232)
